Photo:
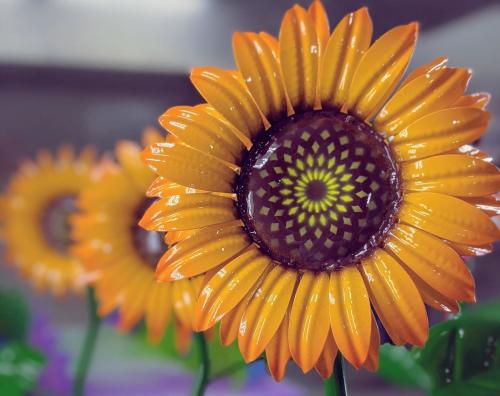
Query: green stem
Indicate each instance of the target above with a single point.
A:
(87, 349)
(336, 385)
(202, 377)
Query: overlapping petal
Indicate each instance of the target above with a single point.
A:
(454, 174)
(201, 252)
(309, 319)
(187, 212)
(380, 70)
(350, 314)
(347, 44)
(278, 351)
(395, 299)
(299, 57)
(229, 97)
(448, 217)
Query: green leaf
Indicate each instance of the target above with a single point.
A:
(461, 356)
(14, 316)
(20, 367)
(399, 366)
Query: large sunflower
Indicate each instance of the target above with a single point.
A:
(324, 196)
(37, 205)
(119, 257)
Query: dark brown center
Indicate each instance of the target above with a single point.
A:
(318, 191)
(149, 244)
(55, 223)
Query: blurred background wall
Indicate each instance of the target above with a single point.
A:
(95, 71)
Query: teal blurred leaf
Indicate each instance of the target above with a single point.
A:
(461, 357)
(14, 316)
(398, 365)
(20, 367)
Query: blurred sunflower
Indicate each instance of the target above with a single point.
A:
(119, 256)
(36, 208)
(323, 195)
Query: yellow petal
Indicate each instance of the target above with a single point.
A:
(229, 286)
(447, 217)
(309, 319)
(489, 204)
(201, 130)
(321, 23)
(433, 298)
(299, 57)
(347, 44)
(229, 97)
(261, 73)
(438, 132)
(478, 100)
(230, 323)
(433, 261)
(371, 363)
(454, 174)
(425, 94)
(186, 212)
(183, 300)
(201, 252)
(158, 311)
(324, 365)
(191, 168)
(350, 314)
(380, 69)
(471, 251)
(129, 156)
(163, 188)
(272, 42)
(278, 352)
(265, 312)
(395, 299)
(438, 63)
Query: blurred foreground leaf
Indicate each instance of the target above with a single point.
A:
(20, 367)
(14, 316)
(461, 357)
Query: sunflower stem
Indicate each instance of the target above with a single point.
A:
(336, 385)
(87, 349)
(202, 377)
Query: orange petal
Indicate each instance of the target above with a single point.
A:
(321, 23)
(438, 132)
(489, 204)
(473, 152)
(272, 42)
(158, 310)
(177, 236)
(347, 44)
(183, 301)
(151, 135)
(454, 174)
(380, 69)
(230, 323)
(478, 100)
(199, 253)
(134, 301)
(229, 97)
(161, 187)
(186, 212)
(395, 299)
(350, 314)
(183, 336)
(229, 286)
(438, 63)
(324, 365)
(299, 57)
(191, 168)
(201, 130)
(309, 319)
(425, 94)
(433, 298)
(261, 73)
(433, 261)
(448, 218)
(371, 363)
(471, 251)
(265, 312)
(278, 352)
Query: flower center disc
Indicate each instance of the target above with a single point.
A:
(318, 191)
(55, 223)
